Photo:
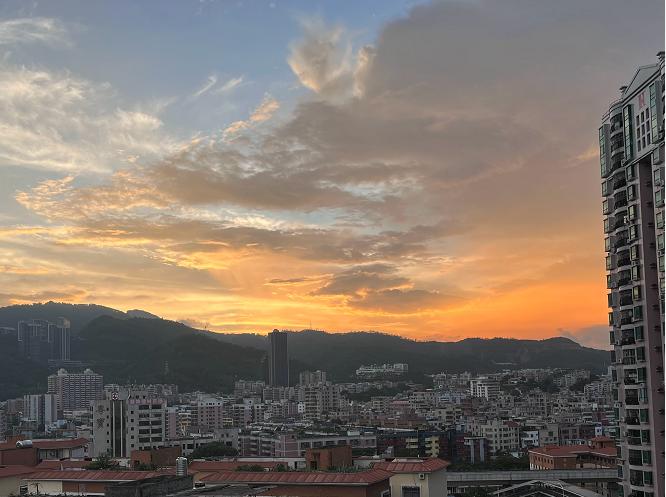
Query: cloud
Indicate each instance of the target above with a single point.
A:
(263, 112)
(323, 60)
(591, 336)
(209, 83)
(426, 183)
(61, 122)
(229, 85)
(33, 30)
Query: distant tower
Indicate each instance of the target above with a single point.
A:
(278, 359)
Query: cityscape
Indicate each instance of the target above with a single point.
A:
(384, 280)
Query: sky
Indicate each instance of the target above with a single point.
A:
(428, 169)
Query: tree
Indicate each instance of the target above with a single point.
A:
(213, 449)
(104, 462)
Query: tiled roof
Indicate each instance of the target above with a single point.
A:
(412, 465)
(62, 465)
(230, 465)
(78, 475)
(299, 478)
(573, 450)
(63, 443)
(15, 470)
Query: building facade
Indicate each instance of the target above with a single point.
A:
(128, 420)
(41, 341)
(278, 359)
(631, 144)
(76, 390)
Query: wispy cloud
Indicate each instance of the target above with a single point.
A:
(210, 82)
(33, 30)
(263, 112)
(230, 85)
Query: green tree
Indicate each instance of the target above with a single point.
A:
(213, 449)
(104, 462)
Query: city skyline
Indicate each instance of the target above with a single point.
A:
(423, 169)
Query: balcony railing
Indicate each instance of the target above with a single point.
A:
(625, 261)
(627, 340)
(626, 320)
(634, 441)
(623, 281)
(628, 360)
(621, 242)
(632, 420)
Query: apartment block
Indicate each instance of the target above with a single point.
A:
(631, 146)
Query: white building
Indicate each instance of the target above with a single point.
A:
(128, 420)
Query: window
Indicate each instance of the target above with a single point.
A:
(660, 241)
(657, 176)
(660, 219)
(631, 172)
(631, 192)
(602, 150)
(607, 244)
(638, 333)
(633, 232)
(636, 273)
(605, 206)
(632, 211)
(411, 491)
(638, 313)
(604, 188)
(628, 132)
(634, 252)
(636, 293)
(609, 264)
(659, 197)
(654, 125)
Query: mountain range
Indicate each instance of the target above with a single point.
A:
(137, 346)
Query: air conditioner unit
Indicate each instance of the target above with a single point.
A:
(422, 476)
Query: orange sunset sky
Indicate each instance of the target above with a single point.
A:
(425, 169)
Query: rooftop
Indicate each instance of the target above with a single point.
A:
(412, 465)
(573, 450)
(78, 475)
(299, 478)
(15, 470)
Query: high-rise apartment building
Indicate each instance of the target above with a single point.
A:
(128, 420)
(42, 409)
(278, 359)
(76, 390)
(40, 340)
(631, 144)
(311, 377)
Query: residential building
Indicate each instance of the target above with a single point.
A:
(598, 453)
(382, 370)
(311, 377)
(485, 387)
(76, 390)
(631, 145)
(278, 359)
(40, 408)
(416, 477)
(128, 420)
(40, 340)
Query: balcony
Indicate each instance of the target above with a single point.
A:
(628, 361)
(619, 223)
(634, 441)
(624, 281)
(632, 420)
(626, 300)
(635, 461)
(631, 401)
(621, 202)
(625, 320)
(621, 242)
(619, 183)
(629, 380)
(627, 340)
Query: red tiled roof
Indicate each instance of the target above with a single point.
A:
(299, 478)
(573, 450)
(412, 465)
(63, 443)
(230, 465)
(15, 470)
(78, 475)
(62, 465)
